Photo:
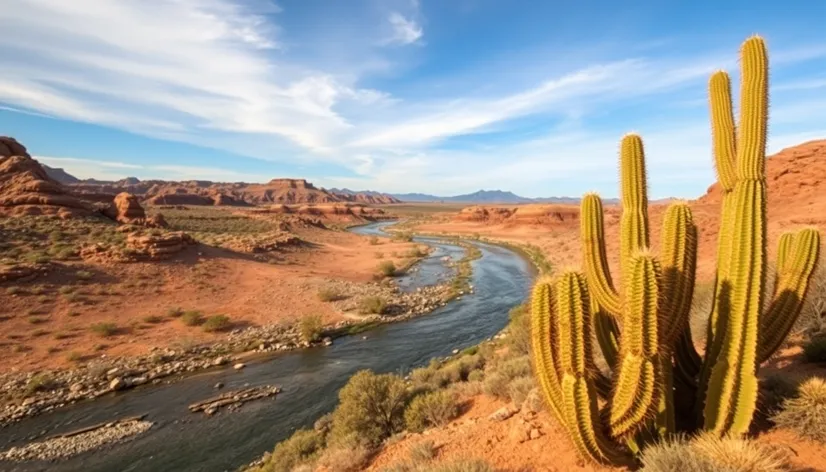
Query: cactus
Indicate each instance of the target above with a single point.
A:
(653, 359)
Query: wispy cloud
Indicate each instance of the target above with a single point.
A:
(405, 31)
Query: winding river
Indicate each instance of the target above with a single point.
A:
(182, 441)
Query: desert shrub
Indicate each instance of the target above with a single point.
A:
(422, 451)
(328, 294)
(174, 312)
(476, 375)
(371, 407)
(497, 385)
(516, 367)
(813, 314)
(372, 305)
(806, 413)
(405, 236)
(428, 378)
(459, 369)
(345, 458)
(814, 350)
(192, 318)
(462, 465)
(42, 382)
(310, 328)
(710, 453)
(464, 390)
(84, 275)
(431, 409)
(217, 323)
(387, 268)
(104, 329)
(302, 446)
(324, 424)
(14, 290)
(519, 388)
(519, 329)
(374, 240)
(152, 319)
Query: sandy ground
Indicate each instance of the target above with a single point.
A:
(44, 326)
(503, 444)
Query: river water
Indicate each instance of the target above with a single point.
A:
(183, 441)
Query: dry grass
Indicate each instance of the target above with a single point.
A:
(806, 413)
(709, 453)
(345, 458)
(431, 409)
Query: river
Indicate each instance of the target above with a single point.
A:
(183, 441)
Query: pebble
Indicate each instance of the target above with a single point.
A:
(58, 448)
(239, 366)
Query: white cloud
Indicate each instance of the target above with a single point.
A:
(405, 31)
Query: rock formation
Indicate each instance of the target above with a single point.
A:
(125, 208)
(157, 246)
(26, 188)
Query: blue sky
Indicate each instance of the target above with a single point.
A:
(437, 96)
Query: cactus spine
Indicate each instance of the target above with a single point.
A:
(653, 359)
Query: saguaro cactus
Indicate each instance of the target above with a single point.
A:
(653, 300)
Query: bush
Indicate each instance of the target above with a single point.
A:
(814, 350)
(40, 383)
(497, 385)
(152, 319)
(328, 294)
(104, 329)
(806, 413)
(345, 458)
(476, 376)
(709, 453)
(217, 323)
(372, 305)
(519, 388)
(310, 328)
(422, 451)
(301, 447)
(371, 407)
(519, 329)
(192, 318)
(387, 268)
(472, 465)
(431, 409)
(174, 312)
(374, 240)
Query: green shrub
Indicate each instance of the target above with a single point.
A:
(814, 350)
(42, 382)
(217, 323)
(371, 407)
(304, 445)
(345, 458)
(152, 319)
(710, 453)
(431, 409)
(806, 413)
(104, 329)
(476, 376)
(192, 318)
(497, 385)
(372, 305)
(84, 275)
(387, 268)
(310, 328)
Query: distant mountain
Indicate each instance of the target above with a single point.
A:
(488, 196)
(60, 175)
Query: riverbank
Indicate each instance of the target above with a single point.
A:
(30, 394)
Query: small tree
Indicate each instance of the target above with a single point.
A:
(310, 328)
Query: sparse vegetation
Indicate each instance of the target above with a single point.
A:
(174, 312)
(431, 409)
(329, 294)
(153, 319)
(710, 453)
(40, 383)
(372, 305)
(806, 413)
(302, 446)
(104, 329)
(217, 323)
(310, 328)
(192, 318)
(387, 268)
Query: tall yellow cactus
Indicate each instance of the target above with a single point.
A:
(654, 362)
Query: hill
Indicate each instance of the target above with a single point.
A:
(488, 196)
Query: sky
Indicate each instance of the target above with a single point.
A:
(436, 96)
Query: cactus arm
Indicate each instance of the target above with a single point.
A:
(795, 272)
(542, 346)
(578, 395)
(733, 381)
(634, 200)
(679, 261)
(723, 130)
(666, 422)
(607, 333)
(594, 256)
(637, 382)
